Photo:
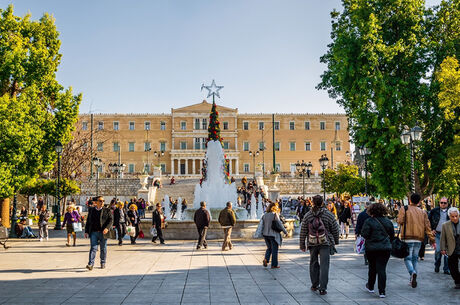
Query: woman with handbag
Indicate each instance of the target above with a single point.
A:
(134, 220)
(158, 222)
(119, 221)
(272, 228)
(378, 233)
(71, 221)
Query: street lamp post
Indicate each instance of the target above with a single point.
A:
(14, 217)
(159, 154)
(148, 150)
(323, 161)
(303, 168)
(409, 137)
(117, 169)
(254, 154)
(364, 151)
(98, 163)
(58, 148)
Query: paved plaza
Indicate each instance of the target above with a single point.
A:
(51, 273)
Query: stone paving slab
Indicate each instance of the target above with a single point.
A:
(33, 272)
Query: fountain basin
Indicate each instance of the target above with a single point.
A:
(186, 229)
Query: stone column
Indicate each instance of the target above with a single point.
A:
(230, 165)
(186, 166)
(194, 166)
(172, 166)
(237, 167)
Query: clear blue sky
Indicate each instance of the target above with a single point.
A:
(150, 56)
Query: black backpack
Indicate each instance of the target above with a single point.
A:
(317, 233)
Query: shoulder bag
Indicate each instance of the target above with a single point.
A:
(399, 248)
(276, 225)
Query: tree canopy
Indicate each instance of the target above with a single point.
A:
(380, 68)
(35, 110)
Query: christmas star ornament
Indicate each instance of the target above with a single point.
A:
(213, 90)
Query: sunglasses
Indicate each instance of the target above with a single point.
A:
(443, 202)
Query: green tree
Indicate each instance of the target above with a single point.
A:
(35, 110)
(379, 68)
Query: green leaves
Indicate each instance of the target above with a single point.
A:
(35, 111)
(379, 68)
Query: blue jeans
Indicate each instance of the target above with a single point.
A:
(272, 249)
(97, 238)
(438, 256)
(411, 259)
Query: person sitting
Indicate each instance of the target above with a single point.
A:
(23, 214)
(23, 230)
(173, 180)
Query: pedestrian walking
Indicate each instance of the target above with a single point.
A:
(362, 217)
(272, 228)
(158, 222)
(134, 220)
(379, 233)
(202, 219)
(437, 217)
(227, 220)
(43, 216)
(119, 221)
(344, 219)
(322, 231)
(100, 220)
(71, 219)
(414, 222)
(450, 244)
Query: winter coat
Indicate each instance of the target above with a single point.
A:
(362, 217)
(378, 236)
(435, 216)
(345, 216)
(268, 219)
(119, 216)
(106, 220)
(201, 218)
(156, 219)
(227, 217)
(417, 224)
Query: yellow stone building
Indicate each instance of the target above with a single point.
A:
(176, 141)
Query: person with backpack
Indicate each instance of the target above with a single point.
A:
(322, 231)
(378, 232)
(272, 228)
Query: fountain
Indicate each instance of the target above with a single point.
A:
(253, 209)
(260, 207)
(179, 209)
(167, 209)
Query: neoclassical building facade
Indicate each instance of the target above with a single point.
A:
(177, 141)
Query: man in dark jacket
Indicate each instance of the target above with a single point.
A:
(359, 224)
(97, 227)
(202, 219)
(227, 220)
(437, 217)
(158, 223)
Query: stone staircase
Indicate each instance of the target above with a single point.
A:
(184, 188)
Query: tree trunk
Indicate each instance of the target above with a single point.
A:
(5, 210)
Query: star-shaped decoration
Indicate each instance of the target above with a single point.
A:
(213, 89)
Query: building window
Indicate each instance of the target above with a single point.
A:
(163, 167)
(198, 143)
(147, 125)
(246, 167)
(322, 146)
(116, 146)
(278, 167)
(225, 125)
(147, 168)
(131, 125)
(245, 125)
(226, 145)
(292, 146)
(203, 143)
(162, 146)
(197, 124)
(162, 125)
(183, 145)
(84, 125)
(245, 146)
(131, 146)
(261, 125)
(322, 125)
(261, 146)
(291, 125)
(204, 124)
(100, 125)
(307, 125)
(130, 168)
(100, 146)
(307, 146)
(147, 146)
(338, 146)
(183, 125)
(337, 125)
(277, 146)
(277, 125)
(116, 126)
